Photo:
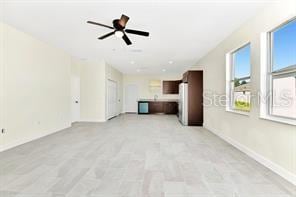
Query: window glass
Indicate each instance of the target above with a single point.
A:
(284, 46)
(283, 71)
(284, 96)
(242, 62)
(241, 87)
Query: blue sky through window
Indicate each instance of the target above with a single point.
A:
(242, 62)
(284, 46)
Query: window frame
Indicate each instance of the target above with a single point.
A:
(268, 75)
(230, 76)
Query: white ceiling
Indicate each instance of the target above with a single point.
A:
(180, 31)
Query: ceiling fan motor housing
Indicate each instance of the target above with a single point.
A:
(117, 25)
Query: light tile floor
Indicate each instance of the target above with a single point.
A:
(135, 156)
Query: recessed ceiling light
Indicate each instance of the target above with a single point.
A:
(136, 50)
(132, 62)
(163, 70)
(138, 70)
(170, 62)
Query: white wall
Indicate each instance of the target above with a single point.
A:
(36, 87)
(272, 143)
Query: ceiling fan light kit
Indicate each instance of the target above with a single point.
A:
(119, 29)
(118, 34)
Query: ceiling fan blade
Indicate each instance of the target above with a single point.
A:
(95, 23)
(106, 35)
(123, 20)
(126, 39)
(141, 33)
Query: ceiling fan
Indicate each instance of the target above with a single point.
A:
(119, 29)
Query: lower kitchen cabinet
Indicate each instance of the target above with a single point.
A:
(170, 108)
(158, 107)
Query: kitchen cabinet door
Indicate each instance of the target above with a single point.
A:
(170, 87)
(156, 107)
(170, 108)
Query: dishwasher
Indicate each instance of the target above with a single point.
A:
(143, 107)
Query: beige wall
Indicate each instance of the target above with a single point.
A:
(92, 91)
(271, 142)
(143, 85)
(76, 67)
(37, 87)
(35, 79)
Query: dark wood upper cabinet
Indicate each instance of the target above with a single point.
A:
(171, 87)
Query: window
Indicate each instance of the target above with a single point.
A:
(281, 71)
(239, 80)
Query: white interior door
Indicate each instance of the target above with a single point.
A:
(75, 98)
(1, 102)
(131, 98)
(112, 99)
(2, 105)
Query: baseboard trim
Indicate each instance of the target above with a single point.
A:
(259, 158)
(94, 121)
(129, 112)
(29, 139)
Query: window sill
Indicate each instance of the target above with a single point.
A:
(238, 112)
(279, 120)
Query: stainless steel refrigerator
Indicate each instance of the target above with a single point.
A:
(183, 103)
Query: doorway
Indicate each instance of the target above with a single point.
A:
(75, 98)
(112, 99)
(131, 98)
(2, 105)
